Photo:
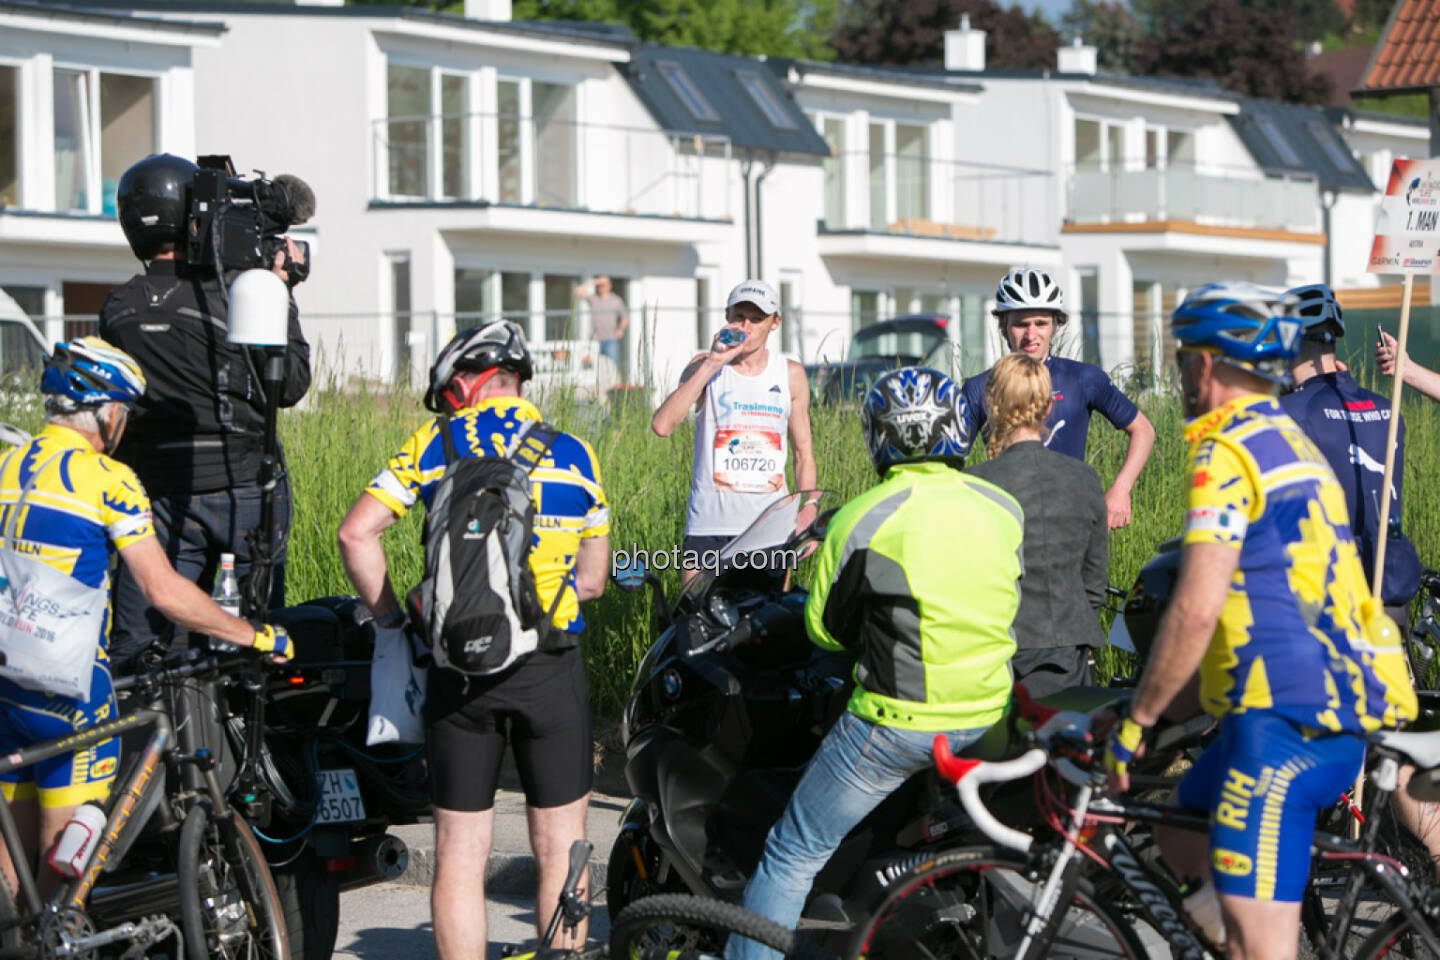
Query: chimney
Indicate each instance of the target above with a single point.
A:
(487, 9)
(964, 48)
(1313, 49)
(1079, 57)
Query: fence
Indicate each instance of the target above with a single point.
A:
(1209, 194)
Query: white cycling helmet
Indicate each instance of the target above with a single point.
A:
(1029, 288)
(1319, 312)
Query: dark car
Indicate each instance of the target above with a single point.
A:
(909, 340)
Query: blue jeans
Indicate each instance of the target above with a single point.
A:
(611, 349)
(194, 529)
(858, 764)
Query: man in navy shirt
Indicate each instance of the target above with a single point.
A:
(1030, 306)
(1350, 426)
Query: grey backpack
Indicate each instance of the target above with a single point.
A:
(477, 602)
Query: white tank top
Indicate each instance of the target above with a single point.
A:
(741, 447)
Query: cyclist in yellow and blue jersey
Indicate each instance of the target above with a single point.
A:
(538, 704)
(64, 501)
(1293, 653)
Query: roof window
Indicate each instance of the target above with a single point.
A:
(685, 89)
(754, 85)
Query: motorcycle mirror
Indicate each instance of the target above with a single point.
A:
(631, 577)
(822, 523)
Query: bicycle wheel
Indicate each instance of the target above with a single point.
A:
(228, 904)
(658, 927)
(1396, 939)
(974, 904)
(11, 934)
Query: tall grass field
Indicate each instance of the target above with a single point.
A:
(342, 438)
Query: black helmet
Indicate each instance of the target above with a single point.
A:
(153, 202)
(914, 413)
(1150, 595)
(498, 344)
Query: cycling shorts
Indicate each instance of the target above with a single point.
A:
(539, 705)
(28, 717)
(1263, 782)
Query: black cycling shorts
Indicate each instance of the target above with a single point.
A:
(539, 705)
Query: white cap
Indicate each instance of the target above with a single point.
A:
(757, 292)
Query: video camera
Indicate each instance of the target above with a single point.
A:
(237, 224)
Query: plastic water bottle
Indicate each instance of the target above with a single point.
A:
(227, 588)
(77, 843)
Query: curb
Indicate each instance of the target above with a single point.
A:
(508, 874)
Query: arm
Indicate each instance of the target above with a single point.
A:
(592, 567)
(181, 602)
(1416, 377)
(364, 557)
(832, 611)
(697, 374)
(1117, 498)
(802, 451)
(624, 322)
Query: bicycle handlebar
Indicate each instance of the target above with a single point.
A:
(968, 775)
(188, 663)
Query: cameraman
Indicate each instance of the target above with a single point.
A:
(196, 438)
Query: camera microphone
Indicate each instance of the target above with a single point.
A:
(302, 198)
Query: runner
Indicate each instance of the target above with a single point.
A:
(1030, 307)
(751, 406)
(1271, 627)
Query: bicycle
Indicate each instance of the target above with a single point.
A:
(207, 869)
(1424, 636)
(1029, 899)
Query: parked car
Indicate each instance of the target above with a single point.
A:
(910, 340)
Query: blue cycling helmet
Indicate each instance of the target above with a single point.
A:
(88, 372)
(914, 413)
(1319, 312)
(1247, 325)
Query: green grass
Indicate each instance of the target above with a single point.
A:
(341, 440)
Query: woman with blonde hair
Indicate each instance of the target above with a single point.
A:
(1065, 529)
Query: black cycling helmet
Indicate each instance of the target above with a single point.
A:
(1319, 313)
(153, 202)
(498, 344)
(1148, 598)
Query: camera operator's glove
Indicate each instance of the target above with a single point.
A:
(273, 640)
(1122, 746)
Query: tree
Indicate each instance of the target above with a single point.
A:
(1313, 18)
(1244, 49)
(913, 32)
(1109, 27)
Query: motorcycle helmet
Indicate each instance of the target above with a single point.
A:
(914, 413)
(152, 201)
(1150, 595)
(1246, 325)
(1029, 288)
(1319, 312)
(499, 344)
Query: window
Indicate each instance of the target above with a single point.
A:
(473, 295)
(72, 139)
(1152, 148)
(879, 215)
(81, 304)
(1277, 141)
(864, 308)
(834, 132)
(408, 90)
(400, 315)
(127, 129)
(1115, 140)
(555, 144)
(789, 319)
(1179, 149)
(973, 325)
(1090, 315)
(9, 137)
(1146, 326)
(690, 95)
(515, 300)
(511, 174)
(754, 85)
(912, 172)
(1336, 152)
(560, 320)
(18, 349)
(702, 313)
(1087, 144)
(454, 152)
(900, 298)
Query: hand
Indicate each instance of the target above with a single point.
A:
(722, 353)
(1117, 508)
(274, 640)
(291, 251)
(1385, 353)
(1123, 747)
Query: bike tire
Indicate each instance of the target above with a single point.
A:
(1395, 939)
(310, 897)
(699, 915)
(229, 907)
(623, 883)
(971, 903)
(12, 936)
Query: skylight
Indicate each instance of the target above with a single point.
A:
(685, 89)
(754, 85)
(1340, 158)
(1277, 141)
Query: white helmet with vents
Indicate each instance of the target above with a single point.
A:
(1029, 288)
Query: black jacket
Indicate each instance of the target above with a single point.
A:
(1065, 544)
(200, 425)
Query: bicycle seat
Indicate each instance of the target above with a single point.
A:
(1421, 748)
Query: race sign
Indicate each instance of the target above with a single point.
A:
(1407, 226)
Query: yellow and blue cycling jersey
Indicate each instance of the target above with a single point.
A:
(83, 508)
(570, 505)
(1298, 631)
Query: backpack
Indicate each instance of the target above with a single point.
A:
(477, 602)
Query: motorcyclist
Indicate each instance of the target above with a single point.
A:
(930, 659)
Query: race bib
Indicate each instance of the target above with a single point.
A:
(748, 460)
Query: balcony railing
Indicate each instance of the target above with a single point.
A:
(525, 161)
(1238, 197)
(951, 199)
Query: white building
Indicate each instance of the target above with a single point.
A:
(83, 94)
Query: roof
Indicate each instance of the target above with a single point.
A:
(698, 91)
(1291, 138)
(1343, 68)
(781, 66)
(59, 11)
(1408, 54)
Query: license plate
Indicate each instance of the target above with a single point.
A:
(340, 800)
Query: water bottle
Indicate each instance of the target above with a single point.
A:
(227, 589)
(77, 843)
